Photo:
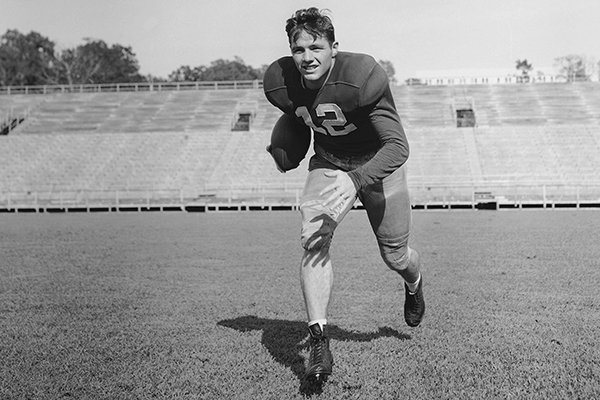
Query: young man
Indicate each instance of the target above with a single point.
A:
(360, 151)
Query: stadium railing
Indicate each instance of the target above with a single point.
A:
(423, 196)
(90, 199)
(131, 87)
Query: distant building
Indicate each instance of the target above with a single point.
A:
(484, 76)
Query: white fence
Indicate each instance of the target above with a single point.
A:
(498, 195)
(131, 87)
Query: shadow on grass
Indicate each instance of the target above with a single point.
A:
(285, 340)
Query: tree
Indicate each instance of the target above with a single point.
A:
(524, 67)
(96, 62)
(26, 59)
(225, 70)
(389, 69)
(572, 67)
(154, 78)
(261, 71)
(219, 70)
(32, 60)
(187, 74)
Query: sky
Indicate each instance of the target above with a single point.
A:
(414, 35)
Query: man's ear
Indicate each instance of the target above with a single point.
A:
(334, 47)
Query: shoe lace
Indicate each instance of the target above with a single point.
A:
(415, 299)
(418, 296)
(317, 350)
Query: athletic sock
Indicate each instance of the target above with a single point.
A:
(321, 322)
(412, 287)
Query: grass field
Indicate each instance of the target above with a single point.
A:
(208, 306)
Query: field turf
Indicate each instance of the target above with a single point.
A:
(208, 306)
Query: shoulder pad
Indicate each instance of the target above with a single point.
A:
(278, 77)
(376, 85)
(363, 72)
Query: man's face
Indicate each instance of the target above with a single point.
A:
(313, 58)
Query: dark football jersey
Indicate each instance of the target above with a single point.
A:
(352, 115)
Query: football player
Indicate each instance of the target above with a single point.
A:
(360, 151)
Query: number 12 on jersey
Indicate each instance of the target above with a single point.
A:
(328, 125)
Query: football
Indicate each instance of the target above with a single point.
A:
(289, 142)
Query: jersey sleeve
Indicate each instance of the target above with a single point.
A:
(377, 97)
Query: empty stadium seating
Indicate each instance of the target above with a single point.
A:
(501, 105)
(182, 140)
(188, 110)
(117, 161)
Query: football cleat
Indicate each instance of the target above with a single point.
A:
(320, 361)
(414, 305)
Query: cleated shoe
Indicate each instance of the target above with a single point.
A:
(320, 361)
(414, 305)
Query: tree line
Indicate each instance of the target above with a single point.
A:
(573, 68)
(33, 59)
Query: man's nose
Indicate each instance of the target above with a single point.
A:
(308, 56)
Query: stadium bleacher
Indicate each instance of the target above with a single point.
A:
(109, 161)
(182, 140)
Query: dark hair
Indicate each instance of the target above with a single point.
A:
(311, 21)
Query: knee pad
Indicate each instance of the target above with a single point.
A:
(317, 226)
(396, 255)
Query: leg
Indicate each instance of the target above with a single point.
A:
(388, 208)
(316, 272)
(316, 277)
(318, 226)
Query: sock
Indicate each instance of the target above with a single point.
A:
(321, 323)
(412, 287)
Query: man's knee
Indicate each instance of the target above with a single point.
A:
(398, 256)
(317, 227)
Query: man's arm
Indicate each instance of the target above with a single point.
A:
(385, 121)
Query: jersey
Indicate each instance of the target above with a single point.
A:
(352, 115)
